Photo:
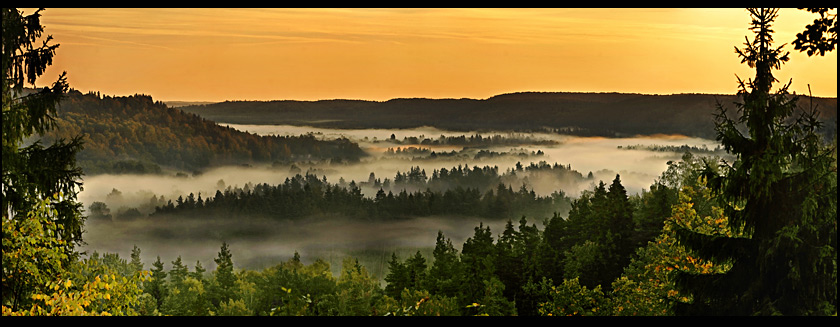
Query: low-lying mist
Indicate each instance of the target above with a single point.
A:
(256, 243)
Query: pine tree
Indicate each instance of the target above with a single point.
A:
(136, 264)
(444, 272)
(478, 258)
(198, 272)
(397, 277)
(780, 193)
(224, 278)
(178, 273)
(416, 267)
(157, 287)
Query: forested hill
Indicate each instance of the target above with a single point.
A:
(135, 134)
(604, 114)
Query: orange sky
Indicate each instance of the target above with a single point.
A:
(380, 54)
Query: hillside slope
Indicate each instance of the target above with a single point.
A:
(604, 114)
(136, 134)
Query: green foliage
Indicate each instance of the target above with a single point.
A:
(292, 288)
(42, 221)
(493, 301)
(356, 293)
(233, 308)
(582, 260)
(32, 266)
(408, 275)
(418, 303)
(224, 280)
(444, 273)
(33, 256)
(569, 298)
(157, 287)
(136, 264)
(648, 284)
(34, 173)
(478, 258)
(598, 239)
(397, 277)
(780, 193)
(186, 298)
(178, 273)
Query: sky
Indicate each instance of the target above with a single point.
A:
(214, 54)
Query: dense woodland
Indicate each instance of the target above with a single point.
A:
(478, 192)
(614, 255)
(135, 134)
(756, 235)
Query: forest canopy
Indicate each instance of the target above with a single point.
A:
(135, 134)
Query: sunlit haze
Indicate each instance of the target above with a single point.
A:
(380, 54)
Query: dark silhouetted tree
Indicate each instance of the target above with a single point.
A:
(780, 193)
(34, 172)
(821, 36)
(35, 179)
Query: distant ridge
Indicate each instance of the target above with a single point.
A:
(602, 114)
(175, 104)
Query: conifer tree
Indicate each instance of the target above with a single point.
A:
(444, 272)
(39, 185)
(397, 277)
(478, 258)
(33, 172)
(178, 273)
(224, 278)
(157, 287)
(198, 272)
(780, 193)
(416, 268)
(136, 263)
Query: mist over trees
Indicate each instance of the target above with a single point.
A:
(751, 235)
(478, 192)
(43, 274)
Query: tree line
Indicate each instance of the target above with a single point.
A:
(462, 191)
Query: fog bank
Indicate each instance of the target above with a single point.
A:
(258, 243)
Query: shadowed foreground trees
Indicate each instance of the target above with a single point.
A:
(780, 196)
(42, 220)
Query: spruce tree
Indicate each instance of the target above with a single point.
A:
(178, 273)
(39, 185)
(224, 277)
(444, 272)
(478, 258)
(780, 193)
(136, 263)
(397, 278)
(157, 286)
(34, 172)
